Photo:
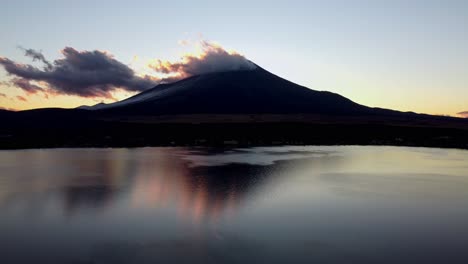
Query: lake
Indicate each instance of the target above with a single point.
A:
(313, 204)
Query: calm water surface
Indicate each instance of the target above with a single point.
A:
(258, 205)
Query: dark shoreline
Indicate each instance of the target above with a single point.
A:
(129, 135)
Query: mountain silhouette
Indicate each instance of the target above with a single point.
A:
(248, 107)
(236, 92)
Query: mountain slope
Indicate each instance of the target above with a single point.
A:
(237, 92)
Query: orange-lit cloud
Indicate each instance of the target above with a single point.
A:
(7, 108)
(463, 114)
(210, 57)
(26, 85)
(21, 98)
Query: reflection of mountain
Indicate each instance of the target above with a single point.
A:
(146, 179)
(198, 184)
(97, 180)
(87, 196)
(197, 192)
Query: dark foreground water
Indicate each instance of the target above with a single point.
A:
(258, 205)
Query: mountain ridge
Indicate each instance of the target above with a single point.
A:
(248, 107)
(235, 92)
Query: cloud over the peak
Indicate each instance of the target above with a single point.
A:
(82, 73)
(98, 74)
(463, 114)
(211, 58)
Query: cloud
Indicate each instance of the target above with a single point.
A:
(3, 95)
(463, 114)
(36, 55)
(97, 74)
(26, 85)
(82, 73)
(21, 98)
(7, 108)
(212, 58)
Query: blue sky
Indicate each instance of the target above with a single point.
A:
(405, 55)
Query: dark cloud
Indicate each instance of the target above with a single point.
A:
(82, 73)
(213, 58)
(463, 114)
(21, 98)
(3, 95)
(36, 55)
(26, 85)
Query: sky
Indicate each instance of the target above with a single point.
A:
(403, 55)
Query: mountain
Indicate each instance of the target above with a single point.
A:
(236, 92)
(250, 107)
(93, 107)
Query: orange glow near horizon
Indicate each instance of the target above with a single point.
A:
(9, 100)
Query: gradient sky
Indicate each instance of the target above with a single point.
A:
(404, 55)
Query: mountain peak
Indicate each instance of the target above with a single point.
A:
(250, 91)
